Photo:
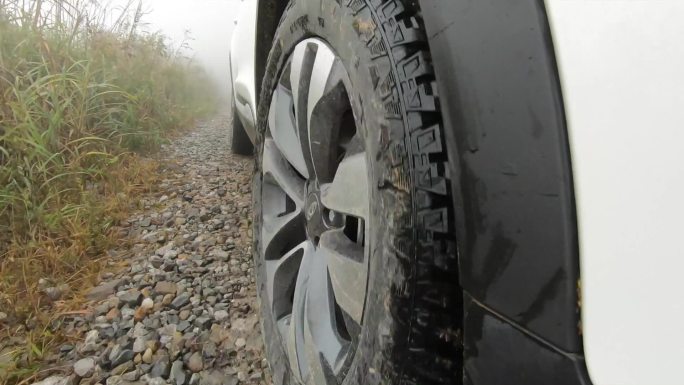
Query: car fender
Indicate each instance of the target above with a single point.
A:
(512, 183)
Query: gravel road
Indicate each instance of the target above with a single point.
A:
(184, 309)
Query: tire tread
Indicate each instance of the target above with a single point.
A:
(435, 342)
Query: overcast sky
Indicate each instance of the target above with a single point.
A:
(209, 22)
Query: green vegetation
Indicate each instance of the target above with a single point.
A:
(81, 95)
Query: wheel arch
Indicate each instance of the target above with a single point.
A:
(512, 183)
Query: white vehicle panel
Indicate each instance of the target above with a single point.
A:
(242, 64)
(621, 64)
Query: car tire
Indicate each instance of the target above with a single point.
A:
(240, 142)
(409, 330)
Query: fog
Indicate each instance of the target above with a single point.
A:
(204, 25)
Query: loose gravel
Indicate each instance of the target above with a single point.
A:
(184, 310)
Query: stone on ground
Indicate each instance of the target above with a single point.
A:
(184, 310)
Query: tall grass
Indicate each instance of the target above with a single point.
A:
(81, 92)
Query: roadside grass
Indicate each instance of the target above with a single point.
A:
(82, 95)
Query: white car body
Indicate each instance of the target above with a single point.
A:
(242, 65)
(621, 65)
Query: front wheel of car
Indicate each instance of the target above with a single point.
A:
(354, 248)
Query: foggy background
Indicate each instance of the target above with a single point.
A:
(206, 26)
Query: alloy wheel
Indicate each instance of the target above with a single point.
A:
(315, 205)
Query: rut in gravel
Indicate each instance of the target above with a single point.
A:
(184, 310)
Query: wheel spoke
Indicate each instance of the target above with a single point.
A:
(320, 130)
(278, 168)
(301, 68)
(282, 200)
(324, 347)
(348, 270)
(281, 277)
(297, 320)
(319, 370)
(348, 193)
(277, 233)
(327, 98)
(297, 66)
(281, 122)
(322, 67)
(318, 91)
